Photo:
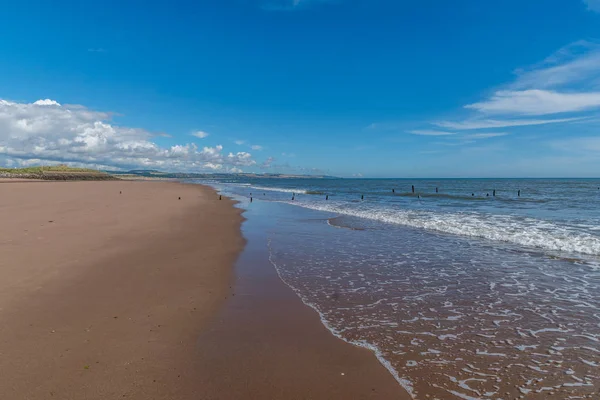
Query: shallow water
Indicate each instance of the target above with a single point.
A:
(493, 299)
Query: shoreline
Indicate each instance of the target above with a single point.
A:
(111, 289)
(275, 343)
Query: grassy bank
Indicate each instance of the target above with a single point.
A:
(56, 173)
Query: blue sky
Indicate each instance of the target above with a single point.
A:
(374, 88)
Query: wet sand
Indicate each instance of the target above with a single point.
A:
(265, 343)
(107, 295)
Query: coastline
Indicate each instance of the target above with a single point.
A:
(267, 343)
(117, 290)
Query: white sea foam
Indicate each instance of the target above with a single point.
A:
(417, 314)
(527, 232)
(278, 189)
(406, 384)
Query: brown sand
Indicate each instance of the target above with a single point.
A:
(104, 296)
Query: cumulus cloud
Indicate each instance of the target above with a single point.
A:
(50, 132)
(46, 102)
(200, 134)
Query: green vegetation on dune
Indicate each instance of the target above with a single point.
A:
(55, 173)
(47, 169)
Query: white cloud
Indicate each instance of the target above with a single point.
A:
(485, 135)
(455, 143)
(566, 82)
(50, 132)
(491, 123)
(430, 132)
(239, 142)
(593, 5)
(46, 102)
(213, 166)
(200, 134)
(537, 102)
(256, 147)
(267, 163)
(576, 63)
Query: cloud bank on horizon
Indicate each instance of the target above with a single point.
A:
(46, 131)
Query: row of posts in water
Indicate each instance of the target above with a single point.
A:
(362, 196)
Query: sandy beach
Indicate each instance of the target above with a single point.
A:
(107, 287)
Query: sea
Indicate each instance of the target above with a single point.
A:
(463, 288)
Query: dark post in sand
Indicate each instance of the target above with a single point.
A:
(519, 193)
(494, 193)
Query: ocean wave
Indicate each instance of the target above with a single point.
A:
(278, 189)
(528, 232)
